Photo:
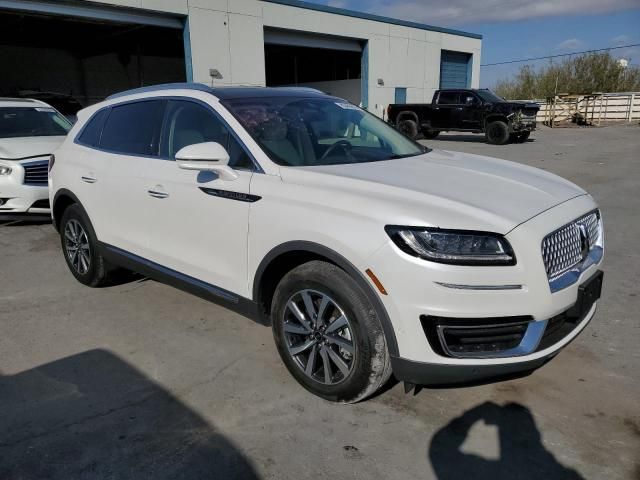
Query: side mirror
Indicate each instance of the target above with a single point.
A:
(207, 156)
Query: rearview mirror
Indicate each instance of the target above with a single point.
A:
(207, 156)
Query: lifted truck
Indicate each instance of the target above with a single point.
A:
(466, 110)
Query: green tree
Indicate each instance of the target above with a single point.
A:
(588, 73)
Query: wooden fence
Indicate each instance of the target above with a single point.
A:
(594, 109)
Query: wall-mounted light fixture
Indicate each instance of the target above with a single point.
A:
(380, 82)
(215, 74)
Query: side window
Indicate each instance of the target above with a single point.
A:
(469, 99)
(133, 128)
(448, 98)
(238, 157)
(90, 135)
(187, 123)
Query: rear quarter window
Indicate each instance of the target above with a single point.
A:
(90, 134)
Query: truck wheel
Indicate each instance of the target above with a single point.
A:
(523, 137)
(409, 128)
(328, 334)
(497, 133)
(430, 134)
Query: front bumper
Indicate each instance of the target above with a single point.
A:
(417, 288)
(460, 374)
(524, 126)
(18, 198)
(442, 375)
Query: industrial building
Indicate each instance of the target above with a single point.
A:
(87, 50)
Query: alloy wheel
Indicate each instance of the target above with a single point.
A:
(76, 244)
(319, 337)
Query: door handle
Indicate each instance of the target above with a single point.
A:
(88, 179)
(157, 194)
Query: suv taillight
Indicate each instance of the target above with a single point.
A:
(52, 160)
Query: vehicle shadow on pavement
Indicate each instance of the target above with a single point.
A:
(93, 416)
(459, 138)
(12, 221)
(521, 453)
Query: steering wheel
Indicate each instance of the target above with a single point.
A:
(346, 146)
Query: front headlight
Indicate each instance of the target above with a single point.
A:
(458, 247)
(5, 170)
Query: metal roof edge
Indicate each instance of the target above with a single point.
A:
(373, 17)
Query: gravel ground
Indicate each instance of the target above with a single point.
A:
(144, 381)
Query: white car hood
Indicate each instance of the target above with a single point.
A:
(25, 147)
(493, 194)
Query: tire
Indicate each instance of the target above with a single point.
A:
(430, 134)
(497, 133)
(409, 128)
(523, 137)
(347, 331)
(77, 235)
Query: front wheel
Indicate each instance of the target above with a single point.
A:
(328, 334)
(497, 133)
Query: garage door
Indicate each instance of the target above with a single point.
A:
(454, 69)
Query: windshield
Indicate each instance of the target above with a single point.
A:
(489, 96)
(299, 132)
(32, 122)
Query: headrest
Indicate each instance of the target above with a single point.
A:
(273, 129)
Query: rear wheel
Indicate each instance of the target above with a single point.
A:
(79, 246)
(328, 334)
(409, 128)
(523, 137)
(497, 133)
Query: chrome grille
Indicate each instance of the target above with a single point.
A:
(562, 249)
(36, 173)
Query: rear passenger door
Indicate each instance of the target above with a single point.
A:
(128, 143)
(198, 223)
(445, 110)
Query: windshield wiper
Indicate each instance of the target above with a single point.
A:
(395, 156)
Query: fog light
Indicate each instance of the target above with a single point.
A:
(5, 170)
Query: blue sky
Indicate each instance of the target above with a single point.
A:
(515, 29)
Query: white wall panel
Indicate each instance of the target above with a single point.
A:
(209, 44)
(416, 57)
(246, 50)
(167, 6)
(397, 67)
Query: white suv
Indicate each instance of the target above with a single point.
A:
(29, 131)
(368, 253)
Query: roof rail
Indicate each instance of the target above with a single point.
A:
(163, 86)
(301, 89)
(18, 99)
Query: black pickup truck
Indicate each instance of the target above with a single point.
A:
(466, 110)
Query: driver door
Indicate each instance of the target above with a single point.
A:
(471, 113)
(198, 222)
